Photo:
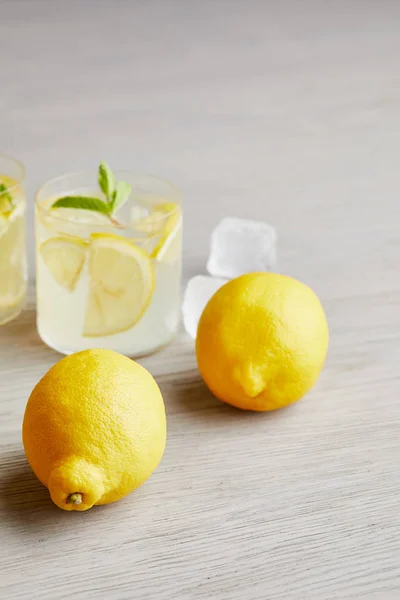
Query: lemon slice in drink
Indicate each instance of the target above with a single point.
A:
(165, 248)
(8, 181)
(13, 191)
(5, 203)
(65, 256)
(121, 287)
(3, 223)
(12, 261)
(12, 245)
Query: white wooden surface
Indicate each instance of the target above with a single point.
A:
(285, 111)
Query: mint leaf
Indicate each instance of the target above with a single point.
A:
(84, 203)
(6, 202)
(120, 195)
(106, 181)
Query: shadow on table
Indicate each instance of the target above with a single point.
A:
(25, 502)
(27, 509)
(186, 393)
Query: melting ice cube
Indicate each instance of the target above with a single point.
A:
(198, 292)
(241, 246)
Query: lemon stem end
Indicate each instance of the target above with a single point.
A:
(75, 498)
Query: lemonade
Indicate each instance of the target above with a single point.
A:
(12, 239)
(108, 279)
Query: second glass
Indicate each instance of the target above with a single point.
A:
(12, 238)
(108, 282)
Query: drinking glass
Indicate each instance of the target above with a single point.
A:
(108, 282)
(13, 275)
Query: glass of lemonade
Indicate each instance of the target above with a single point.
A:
(13, 275)
(108, 278)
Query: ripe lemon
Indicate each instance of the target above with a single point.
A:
(94, 428)
(262, 341)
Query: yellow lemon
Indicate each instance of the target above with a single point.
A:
(262, 341)
(94, 428)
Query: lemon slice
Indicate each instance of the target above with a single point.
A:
(3, 223)
(121, 287)
(65, 257)
(5, 204)
(12, 259)
(8, 181)
(6, 198)
(165, 248)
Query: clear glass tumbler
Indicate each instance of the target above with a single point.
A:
(13, 275)
(108, 282)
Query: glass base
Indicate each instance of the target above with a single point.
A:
(11, 313)
(139, 354)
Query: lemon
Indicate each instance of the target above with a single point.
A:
(65, 258)
(262, 341)
(121, 287)
(94, 428)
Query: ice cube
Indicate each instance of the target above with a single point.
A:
(198, 292)
(241, 246)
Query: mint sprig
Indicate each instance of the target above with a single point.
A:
(116, 195)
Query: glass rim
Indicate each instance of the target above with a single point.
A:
(112, 226)
(20, 165)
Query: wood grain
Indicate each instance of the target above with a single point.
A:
(283, 111)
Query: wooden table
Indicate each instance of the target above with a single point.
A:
(283, 111)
